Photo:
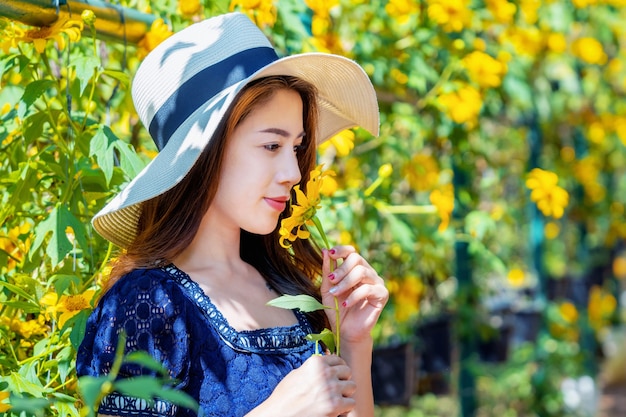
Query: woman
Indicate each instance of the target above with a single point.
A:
(236, 131)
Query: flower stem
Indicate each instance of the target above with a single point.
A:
(320, 229)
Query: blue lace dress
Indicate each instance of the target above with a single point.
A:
(165, 313)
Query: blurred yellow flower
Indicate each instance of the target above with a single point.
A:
(329, 186)
(10, 36)
(4, 407)
(443, 200)
(62, 27)
(502, 11)
(343, 142)
(619, 267)
(26, 328)
(587, 171)
(551, 199)
(422, 172)
(551, 230)
(526, 41)
(568, 312)
(15, 245)
(483, 69)
(601, 307)
(402, 10)
(516, 277)
(407, 294)
(303, 210)
(589, 50)
(556, 42)
(159, 31)
(529, 10)
(385, 171)
(67, 306)
(189, 7)
(462, 105)
(262, 12)
(322, 7)
(451, 15)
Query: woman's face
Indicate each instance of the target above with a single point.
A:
(260, 165)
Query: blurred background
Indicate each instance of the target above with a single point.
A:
(493, 201)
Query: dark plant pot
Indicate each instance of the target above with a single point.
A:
(526, 325)
(494, 348)
(569, 288)
(393, 374)
(435, 345)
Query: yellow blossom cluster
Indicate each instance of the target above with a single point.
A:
(602, 304)
(324, 39)
(14, 34)
(516, 277)
(527, 41)
(262, 12)
(589, 50)
(551, 199)
(422, 172)
(587, 172)
(15, 245)
(25, 328)
(402, 10)
(565, 327)
(451, 15)
(502, 11)
(483, 69)
(443, 200)
(159, 31)
(189, 8)
(67, 306)
(342, 143)
(462, 105)
(303, 210)
(407, 293)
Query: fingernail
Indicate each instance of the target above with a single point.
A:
(332, 251)
(324, 252)
(345, 304)
(333, 290)
(331, 276)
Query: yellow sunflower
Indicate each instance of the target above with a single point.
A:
(67, 306)
(62, 27)
(304, 209)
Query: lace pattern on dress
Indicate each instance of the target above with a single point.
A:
(269, 340)
(115, 403)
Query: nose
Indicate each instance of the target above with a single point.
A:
(289, 170)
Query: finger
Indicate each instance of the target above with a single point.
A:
(357, 276)
(341, 251)
(375, 295)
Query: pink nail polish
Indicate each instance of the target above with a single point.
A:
(332, 251)
(331, 276)
(344, 304)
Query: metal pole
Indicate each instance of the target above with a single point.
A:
(113, 22)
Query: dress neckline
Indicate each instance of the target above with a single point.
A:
(281, 339)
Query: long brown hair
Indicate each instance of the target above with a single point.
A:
(169, 222)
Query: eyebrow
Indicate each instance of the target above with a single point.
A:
(281, 132)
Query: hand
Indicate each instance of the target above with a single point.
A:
(361, 293)
(321, 387)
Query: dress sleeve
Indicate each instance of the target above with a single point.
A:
(150, 310)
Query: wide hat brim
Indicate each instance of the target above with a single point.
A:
(346, 98)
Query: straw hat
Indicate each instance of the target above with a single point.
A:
(184, 87)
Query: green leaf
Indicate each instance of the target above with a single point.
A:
(402, 233)
(79, 324)
(120, 76)
(85, 68)
(17, 290)
(56, 223)
(177, 397)
(303, 302)
(145, 360)
(21, 384)
(103, 146)
(32, 92)
(326, 336)
(90, 388)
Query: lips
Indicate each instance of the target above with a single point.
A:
(277, 203)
